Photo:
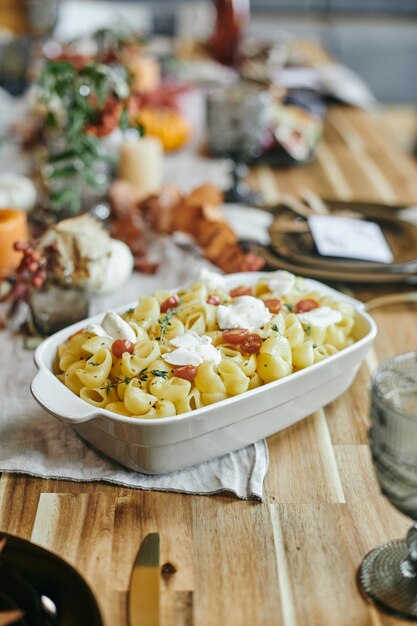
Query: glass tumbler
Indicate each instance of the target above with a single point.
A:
(237, 124)
(388, 574)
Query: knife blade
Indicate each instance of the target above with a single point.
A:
(144, 584)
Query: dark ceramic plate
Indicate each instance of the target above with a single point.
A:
(299, 248)
(275, 262)
(28, 572)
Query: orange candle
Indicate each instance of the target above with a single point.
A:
(13, 227)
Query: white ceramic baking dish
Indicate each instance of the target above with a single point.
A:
(172, 443)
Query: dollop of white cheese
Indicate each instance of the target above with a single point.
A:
(117, 328)
(212, 280)
(323, 316)
(96, 329)
(281, 282)
(244, 312)
(191, 349)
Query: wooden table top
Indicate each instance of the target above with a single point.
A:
(292, 559)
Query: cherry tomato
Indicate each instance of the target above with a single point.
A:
(273, 305)
(187, 372)
(251, 344)
(240, 291)
(120, 346)
(169, 303)
(302, 306)
(234, 335)
(213, 299)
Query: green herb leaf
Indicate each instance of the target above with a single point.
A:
(161, 373)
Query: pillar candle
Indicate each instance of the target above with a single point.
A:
(141, 163)
(145, 74)
(13, 227)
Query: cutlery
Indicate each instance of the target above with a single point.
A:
(143, 604)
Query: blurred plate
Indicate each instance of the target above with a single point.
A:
(273, 262)
(36, 571)
(300, 248)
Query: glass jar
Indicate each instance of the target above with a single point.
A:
(55, 306)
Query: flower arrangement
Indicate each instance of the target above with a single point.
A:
(79, 106)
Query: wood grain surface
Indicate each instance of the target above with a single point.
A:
(292, 559)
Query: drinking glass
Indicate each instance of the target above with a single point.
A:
(237, 123)
(388, 574)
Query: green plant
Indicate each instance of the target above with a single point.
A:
(80, 106)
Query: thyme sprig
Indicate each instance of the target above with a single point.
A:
(165, 321)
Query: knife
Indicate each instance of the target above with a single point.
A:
(143, 603)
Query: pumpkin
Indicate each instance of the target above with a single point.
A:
(170, 126)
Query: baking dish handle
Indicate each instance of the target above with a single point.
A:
(60, 401)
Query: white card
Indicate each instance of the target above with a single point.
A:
(349, 238)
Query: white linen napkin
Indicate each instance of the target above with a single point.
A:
(33, 442)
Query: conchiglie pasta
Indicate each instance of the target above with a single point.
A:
(136, 400)
(293, 330)
(173, 328)
(145, 352)
(71, 379)
(196, 322)
(276, 324)
(144, 385)
(140, 332)
(94, 344)
(233, 377)
(191, 402)
(231, 354)
(96, 369)
(197, 292)
(255, 381)
(147, 312)
(100, 396)
(173, 389)
(208, 380)
(211, 398)
(161, 295)
(317, 334)
(303, 355)
(275, 359)
(119, 408)
(72, 351)
(248, 365)
(336, 337)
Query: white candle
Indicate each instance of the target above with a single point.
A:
(141, 163)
